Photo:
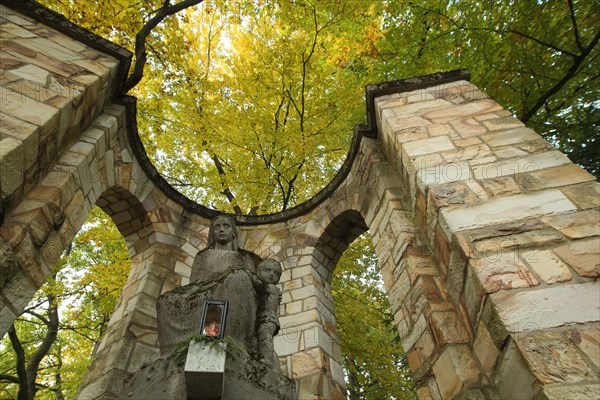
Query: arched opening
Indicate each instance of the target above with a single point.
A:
(373, 360)
(129, 216)
(49, 346)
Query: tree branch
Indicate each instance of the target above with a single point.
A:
(21, 369)
(574, 22)
(527, 114)
(140, 39)
(9, 378)
(44, 348)
(226, 191)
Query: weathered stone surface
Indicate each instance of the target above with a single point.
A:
(511, 136)
(588, 340)
(445, 114)
(485, 349)
(500, 186)
(547, 266)
(533, 162)
(25, 132)
(583, 256)
(567, 174)
(205, 371)
(307, 362)
(548, 307)
(503, 270)
(454, 370)
(11, 165)
(506, 209)
(33, 74)
(584, 196)
(428, 125)
(496, 124)
(450, 194)
(576, 225)
(447, 327)
(29, 110)
(570, 392)
(468, 127)
(513, 377)
(437, 174)
(554, 359)
(426, 146)
(518, 241)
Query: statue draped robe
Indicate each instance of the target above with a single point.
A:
(216, 275)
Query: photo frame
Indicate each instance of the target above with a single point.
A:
(214, 317)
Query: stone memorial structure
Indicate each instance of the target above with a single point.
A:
(487, 238)
(226, 272)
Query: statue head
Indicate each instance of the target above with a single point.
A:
(223, 232)
(269, 271)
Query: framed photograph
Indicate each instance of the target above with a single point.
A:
(214, 315)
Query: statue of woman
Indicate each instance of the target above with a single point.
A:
(222, 271)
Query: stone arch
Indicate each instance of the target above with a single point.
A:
(338, 235)
(129, 215)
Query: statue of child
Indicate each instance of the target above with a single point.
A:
(269, 272)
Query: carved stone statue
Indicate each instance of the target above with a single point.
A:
(269, 272)
(222, 271)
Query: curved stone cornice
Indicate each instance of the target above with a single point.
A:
(360, 131)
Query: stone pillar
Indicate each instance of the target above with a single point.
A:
(513, 227)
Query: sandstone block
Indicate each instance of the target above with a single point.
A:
(500, 186)
(583, 256)
(506, 209)
(513, 377)
(427, 146)
(496, 124)
(547, 266)
(550, 307)
(33, 74)
(533, 238)
(554, 359)
(576, 225)
(485, 349)
(454, 370)
(438, 174)
(29, 110)
(531, 163)
(446, 328)
(445, 114)
(509, 152)
(585, 195)
(502, 271)
(511, 136)
(11, 165)
(567, 174)
(468, 127)
(25, 132)
(51, 49)
(571, 392)
(307, 362)
(16, 30)
(588, 340)
(411, 335)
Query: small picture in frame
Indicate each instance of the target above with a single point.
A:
(214, 315)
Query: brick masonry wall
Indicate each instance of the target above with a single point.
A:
(486, 237)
